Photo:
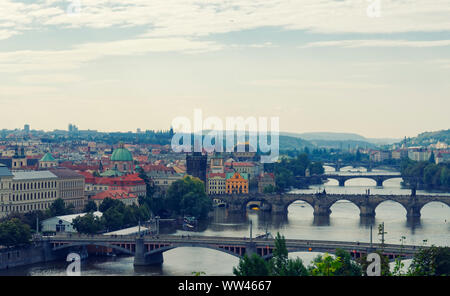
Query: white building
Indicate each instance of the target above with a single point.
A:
(63, 223)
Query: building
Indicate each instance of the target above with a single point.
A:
(47, 161)
(216, 164)
(5, 188)
(130, 183)
(70, 187)
(216, 183)
(265, 180)
(379, 156)
(442, 157)
(249, 168)
(236, 183)
(19, 160)
(63, 223)
(244, 152)
(196, 164)
(163, 179)
(126, 197)
(399, 154)
(122, 160)
(419, 154)
(31, 191)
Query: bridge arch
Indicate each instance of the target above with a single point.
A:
(83, 244)
(434, 202)
(347, 200)
(405, 207)
(251, 199)
(371, 179)
(187, 245)
(306, 200)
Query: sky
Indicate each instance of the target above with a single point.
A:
(379, 68)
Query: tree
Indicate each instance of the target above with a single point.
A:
(113, 219)
(91, 206)
(188, 197)
(58, 208)
(251, 266)
(433, 261)
(88, 224)
(348, 267)
(14, 232)
(108, 203)
(325, 265)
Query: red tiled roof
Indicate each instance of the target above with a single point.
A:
(114, 194)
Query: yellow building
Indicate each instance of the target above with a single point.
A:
(236, 183)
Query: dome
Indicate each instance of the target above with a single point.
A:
(121, 154)
(47, 157)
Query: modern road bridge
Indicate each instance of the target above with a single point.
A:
(149, 249)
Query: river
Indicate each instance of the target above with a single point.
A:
(344, 224)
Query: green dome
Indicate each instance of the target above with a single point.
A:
(47, 157)
(121, 154)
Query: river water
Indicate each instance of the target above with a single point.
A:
(344, 225)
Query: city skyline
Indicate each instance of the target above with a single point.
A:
(320, 67)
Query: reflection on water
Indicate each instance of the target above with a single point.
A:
(344, 224)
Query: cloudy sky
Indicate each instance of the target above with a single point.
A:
(320, 65)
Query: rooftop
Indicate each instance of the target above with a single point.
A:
(31, 175)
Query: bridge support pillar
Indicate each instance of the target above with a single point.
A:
(380, 182)
(366, 211)
(413, 213)
(250, 248)
(321, 211)
(341, 182)
(141, 259)
(279, 208)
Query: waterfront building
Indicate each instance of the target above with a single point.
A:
(265, 180)
(5, 188)
(379, 156)
(31, 191)
(419, 154)
(63, 223)
(70, 187)
(236, 183)
(216, 183)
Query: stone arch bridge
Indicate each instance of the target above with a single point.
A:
(379, 178)
(321, 203)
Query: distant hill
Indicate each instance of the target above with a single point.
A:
(331, 139)
(428, 138)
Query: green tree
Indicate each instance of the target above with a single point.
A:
(91, 206)
(188, 197)
(348, 267)
(58, 208)
(433, 261)
(14, 232)
(325, 265)
(88, 224)
(113, 219)
(251, 266)
(108, 203)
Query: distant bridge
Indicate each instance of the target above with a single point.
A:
(379, 178)
(149, 249)
(322, 203)
(368, 165)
